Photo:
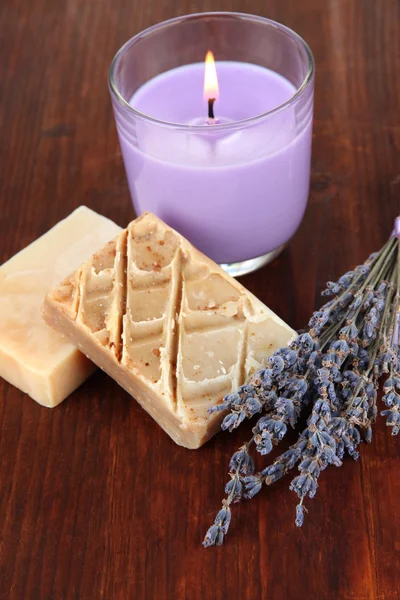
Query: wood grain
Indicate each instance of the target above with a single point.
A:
(96, 502)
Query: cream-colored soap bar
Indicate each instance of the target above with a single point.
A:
(168, 324)
(33, 356)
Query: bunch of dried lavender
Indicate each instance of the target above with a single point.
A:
(333, 371)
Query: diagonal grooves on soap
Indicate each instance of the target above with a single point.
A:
(151, 305)
(116, 328)
(243, 355)
(125, 274)
(172, 319)
(245, 347)
(175, 325)
(207, 319)
(78, 296)
(149, 300)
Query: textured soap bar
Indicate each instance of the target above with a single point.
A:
(167, 324)
(33, 356)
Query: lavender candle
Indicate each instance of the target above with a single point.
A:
(224, 161)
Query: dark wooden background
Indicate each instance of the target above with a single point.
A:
(96, 502)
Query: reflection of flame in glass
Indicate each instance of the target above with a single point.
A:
(210, 78)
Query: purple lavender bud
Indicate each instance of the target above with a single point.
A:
(379, 304)
(299, 515)
(345, 280)
(364, 358)
(304, 485)
(333, 459)
(369, 330)
(350, 332)
(331, 392)
(257, 378)
(389, 398)
(217, 408)
(309, 465)
(346, 300)
(394, 418)
(355, 434)
(314, 357)
(328, 439)
(288, 355)
(382, 289)
(233, 399)
(280, 430)
(328, 360)
(273, 473)
(331, 289)
(323, 376)
(339, 426)
(291, 457)
(263, 442)
(220, 538)
(319, 319)
(313, 488)
(247, 389)
(267, 381)
(340, 347)
(368, 435)
(362, 269)
(336, 374)
(340, 449)
(242, 463)
(265, 423)
(211, 536)
(305, 342)
(353, 348)
(232, 421)
(388, 359)
(283, 379)
(351, 378)
(253, 485)
(277, 364)
(316, 440)
(355, 455)
(268, 399)
(223, 519)
(299, 386)
(305, 463)
(252, 407)
(286, 407)
(234, 489)
(356, 303)
(323, 409)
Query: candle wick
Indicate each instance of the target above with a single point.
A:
(211, 108)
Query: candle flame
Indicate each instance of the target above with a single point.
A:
(210, 78)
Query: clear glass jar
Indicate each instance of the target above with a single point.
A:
(238, 188)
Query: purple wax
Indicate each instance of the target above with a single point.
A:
(236, 192)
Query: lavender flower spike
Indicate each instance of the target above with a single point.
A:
(331, 374)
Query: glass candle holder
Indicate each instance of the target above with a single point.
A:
(235, 185)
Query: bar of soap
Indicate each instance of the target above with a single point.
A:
(33, 357)
(168, 324)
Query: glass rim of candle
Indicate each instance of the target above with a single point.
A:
(300, 90)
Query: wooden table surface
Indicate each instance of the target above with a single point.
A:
(96, 502)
